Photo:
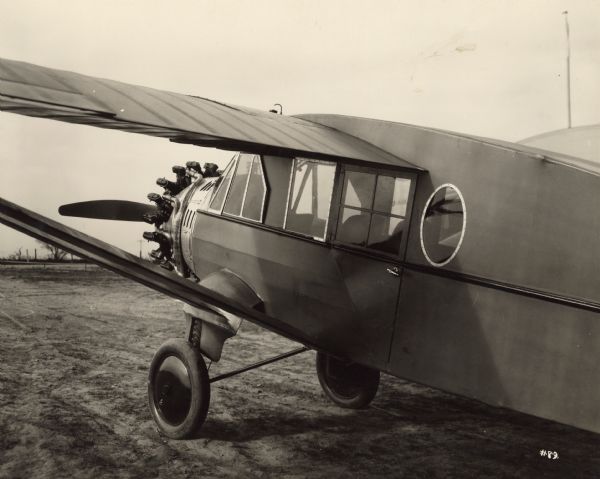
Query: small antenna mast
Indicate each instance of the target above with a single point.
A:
(566, 14)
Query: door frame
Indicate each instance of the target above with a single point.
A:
(395, 260)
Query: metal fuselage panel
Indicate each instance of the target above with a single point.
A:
(307, 284)
(531, 223)
(504, 349)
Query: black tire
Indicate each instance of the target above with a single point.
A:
(178, 389)
(347, 384)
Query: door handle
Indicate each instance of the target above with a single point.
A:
(394, 271)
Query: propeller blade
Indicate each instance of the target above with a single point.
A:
(108, 210)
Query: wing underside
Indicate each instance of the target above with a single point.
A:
(60, 95)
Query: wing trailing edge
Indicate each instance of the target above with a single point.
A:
(33, 90)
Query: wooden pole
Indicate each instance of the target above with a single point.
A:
(566, 14)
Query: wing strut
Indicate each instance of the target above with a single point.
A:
(132, 267)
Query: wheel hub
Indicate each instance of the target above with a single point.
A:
(172, 391)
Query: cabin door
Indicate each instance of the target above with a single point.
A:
(369, 240)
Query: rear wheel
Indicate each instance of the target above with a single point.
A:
(178, 389)
(347, 384)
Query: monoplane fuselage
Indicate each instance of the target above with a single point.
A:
(460, 262)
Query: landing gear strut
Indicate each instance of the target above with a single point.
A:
(347, 384)
(178, 382)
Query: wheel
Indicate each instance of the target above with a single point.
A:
(178, 389)
(347, 384)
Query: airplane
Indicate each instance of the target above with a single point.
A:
(463, 263)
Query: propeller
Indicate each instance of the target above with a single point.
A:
(109, 210)
(157, 214)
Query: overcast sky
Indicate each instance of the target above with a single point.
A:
(494, 69)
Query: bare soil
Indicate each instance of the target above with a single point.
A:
(75, 346)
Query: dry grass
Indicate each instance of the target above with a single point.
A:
(75, 347)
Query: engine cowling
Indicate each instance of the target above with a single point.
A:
(171, 208)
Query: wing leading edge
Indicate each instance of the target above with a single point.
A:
(134, 268)
(66, 96)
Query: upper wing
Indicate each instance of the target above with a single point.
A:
(60, 95)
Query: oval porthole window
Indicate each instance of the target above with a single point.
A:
(443, 225)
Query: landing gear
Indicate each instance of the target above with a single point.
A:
(179, 386)
(347, 384)
(178, 389)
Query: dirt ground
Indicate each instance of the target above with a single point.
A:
(75, 346)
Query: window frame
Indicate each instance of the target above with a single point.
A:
(232, 164)
(403, 174)
(439, 264)
(331, 198)
(264, 195)
(236, 162)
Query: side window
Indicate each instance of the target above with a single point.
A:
(233, 203)
(310, 197)
(443, 225)
(216, 204)
(283, 192)
(256, 191)
(373, 213)
(245, 181)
